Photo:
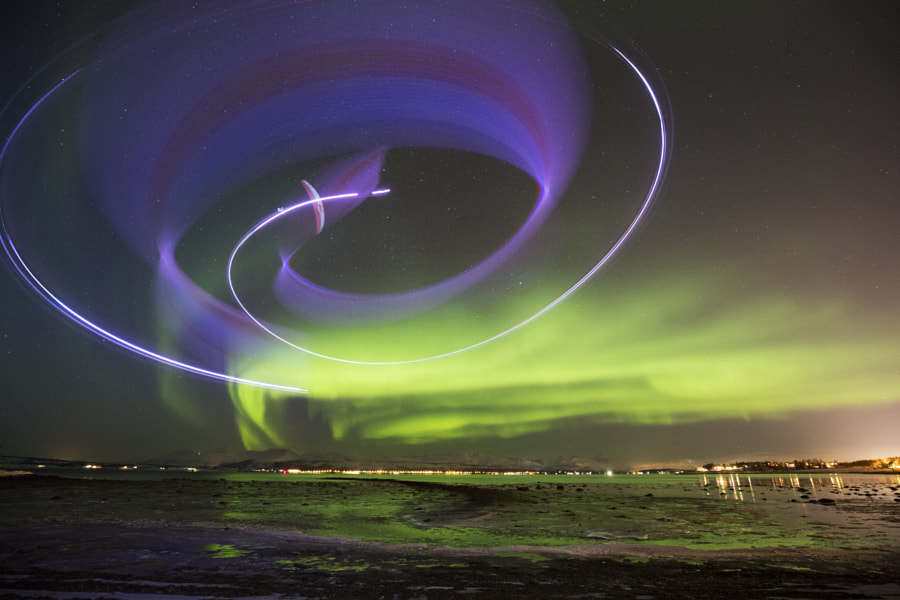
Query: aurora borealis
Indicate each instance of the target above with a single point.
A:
(757, 295)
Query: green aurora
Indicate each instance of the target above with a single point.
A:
(673, 354)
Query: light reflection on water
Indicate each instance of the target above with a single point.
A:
(804, 487)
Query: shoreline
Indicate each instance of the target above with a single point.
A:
(367, 538)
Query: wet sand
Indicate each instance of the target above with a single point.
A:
(363, 538)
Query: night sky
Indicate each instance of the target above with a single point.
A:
(752, 313)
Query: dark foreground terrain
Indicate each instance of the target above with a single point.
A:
(70, 538)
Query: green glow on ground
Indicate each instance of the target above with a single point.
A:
(499, 515)
(676, 353)
(225, 550)
(331, 564)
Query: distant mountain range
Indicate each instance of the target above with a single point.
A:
(278, 458)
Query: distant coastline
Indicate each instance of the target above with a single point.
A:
(262, 462)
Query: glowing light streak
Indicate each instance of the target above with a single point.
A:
(318, 205)
(38, 286)
(538, 164)
(44, 292)
(28, 114)
(281, 213)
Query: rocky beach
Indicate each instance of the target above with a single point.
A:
(241, 536)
